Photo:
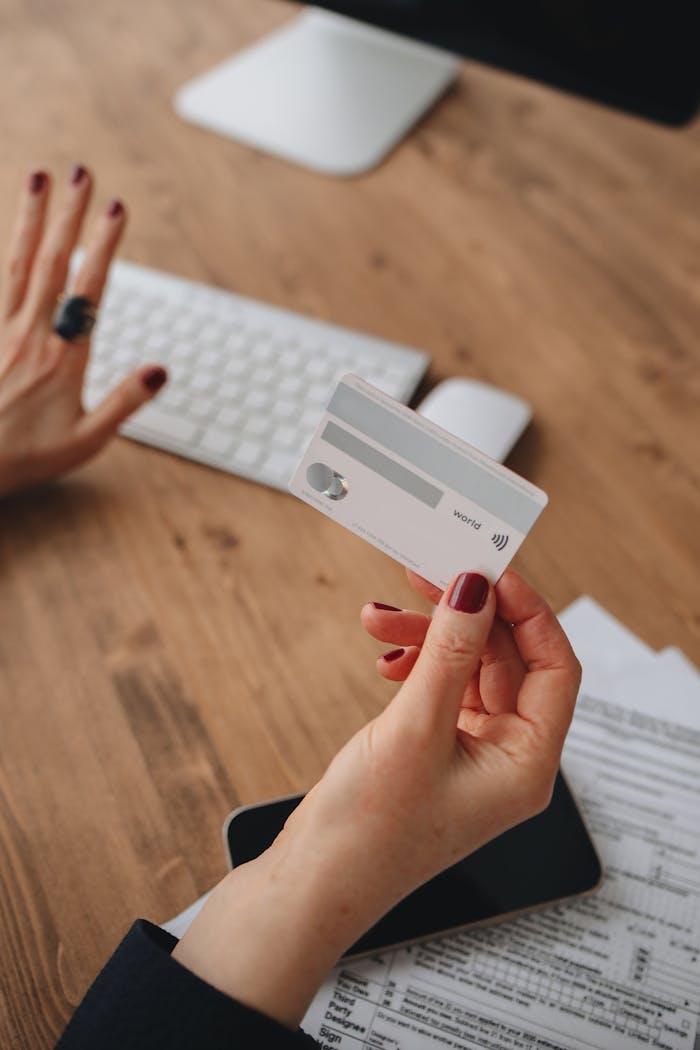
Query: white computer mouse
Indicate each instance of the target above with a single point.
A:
(485, 416)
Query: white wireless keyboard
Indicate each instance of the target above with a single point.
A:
(247, 382)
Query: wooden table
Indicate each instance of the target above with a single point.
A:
(175, 641)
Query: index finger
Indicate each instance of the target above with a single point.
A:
(548, 693)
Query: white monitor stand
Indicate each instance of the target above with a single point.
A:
(325, 91)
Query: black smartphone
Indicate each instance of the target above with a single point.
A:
(542, 861)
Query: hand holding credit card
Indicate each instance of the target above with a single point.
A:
(411, 489)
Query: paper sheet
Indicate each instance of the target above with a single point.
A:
(618, 666)
(615, 971)
(605, 647)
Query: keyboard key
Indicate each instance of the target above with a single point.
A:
(179, 373)
(236, 366)
(290, 385)
(284, 409)
(317, 368)
(286, 436)
(122, 355)
(208, 359)
(167, 424)
(185, 324)
(156, 342)
(257, 426)
(333, 353)
(216, 441)
(211, 334)
(228, 417)
(264, 377)
(91, 396)
(228, 391)
(181, 352)
(201, 382)
(311, 418)
(98, 371)
(198, 408)
(248, 453)
(262, 352)
(172, 397)
(319, 394)
(235, 341)
(280, 465)
(256, 399)
(290, 361)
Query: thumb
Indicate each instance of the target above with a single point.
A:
(96, 427)
(451, 653)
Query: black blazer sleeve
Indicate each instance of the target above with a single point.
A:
(145, 999)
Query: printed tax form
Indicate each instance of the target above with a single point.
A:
(616, 971)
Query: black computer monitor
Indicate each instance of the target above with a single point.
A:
(640, 57)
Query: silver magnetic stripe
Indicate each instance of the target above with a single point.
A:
(424, 451)
(382, 465)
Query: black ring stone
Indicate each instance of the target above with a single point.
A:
(74, 317)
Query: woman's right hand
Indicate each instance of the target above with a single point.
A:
(468, 747)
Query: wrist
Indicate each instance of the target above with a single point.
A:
(273, 928)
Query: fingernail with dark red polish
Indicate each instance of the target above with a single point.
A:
(37, 181)
(114, 208)
(78, 174)
(383, 607)
(392, 655)
(154, 378)
(469, 593)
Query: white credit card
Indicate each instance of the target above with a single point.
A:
(408, 487)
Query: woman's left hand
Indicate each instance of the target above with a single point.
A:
(44, 429)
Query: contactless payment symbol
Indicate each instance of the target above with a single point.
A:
(500, 540)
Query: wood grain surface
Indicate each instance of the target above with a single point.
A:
(175, 641)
